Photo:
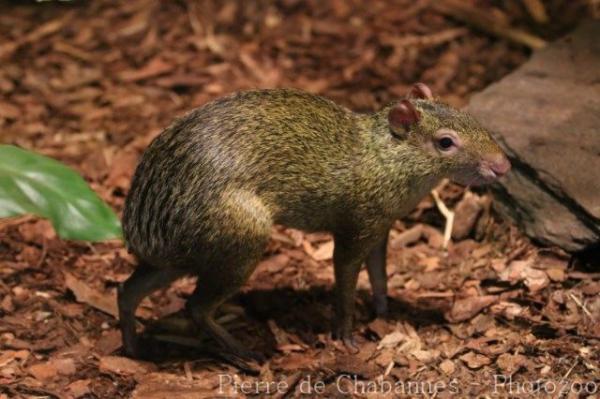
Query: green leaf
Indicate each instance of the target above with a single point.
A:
(35, 184)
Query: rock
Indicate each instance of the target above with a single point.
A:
(546, 116)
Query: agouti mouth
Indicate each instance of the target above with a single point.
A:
(488, 174)
(481, 181)
(492, 168)
(485, 176)
(481, 177)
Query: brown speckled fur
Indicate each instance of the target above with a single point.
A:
(209, 188)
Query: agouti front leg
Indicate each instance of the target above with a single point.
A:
(376, 262)
(348, 257)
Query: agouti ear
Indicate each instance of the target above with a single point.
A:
(420, 90)
(402, 116)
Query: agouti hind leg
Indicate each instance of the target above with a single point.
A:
(144, 280)
(243, 234)
(202, 305)
(212, 289)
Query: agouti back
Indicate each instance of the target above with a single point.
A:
(209, 188)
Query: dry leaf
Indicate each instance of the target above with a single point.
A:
(65, 366)
(108, 342)
(536, 279)
(498, 265)
(509, 363)
(323, 252)
(124, 366)
(156, 66)
(296, 361)
(466, 213)
(475, 360)
(385, 357)
(430, 263)
(43, 371)
(391, 340)
(514, 272)
(466, 308)
(557, 275)
(106, 302)
(275, 263)
(509, 309)
(447, 366)
(407, 237)
(425, 356)
(482, 251)
(379, 327)
(521, 270)
(166, 386)
(121, 169)
(53, 367)
(79, 388)
(8, 356)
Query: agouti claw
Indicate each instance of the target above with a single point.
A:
(350, 345)
(347, 340)
(238, 362)
(249, 355)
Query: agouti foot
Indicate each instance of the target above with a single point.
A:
(348, 341)
(247, 366)
(130, 348)
(248, 355)
(350, 345)
(143, 348)
(130, 353)
(381, 306)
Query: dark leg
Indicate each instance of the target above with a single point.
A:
(348, 257)
(144, 280)
(212, 289)
(378, 277)
(236, 254)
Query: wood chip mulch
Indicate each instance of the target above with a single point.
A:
(91, 83)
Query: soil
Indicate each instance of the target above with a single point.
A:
(91, 83)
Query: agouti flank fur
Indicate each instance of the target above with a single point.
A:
(209, 188)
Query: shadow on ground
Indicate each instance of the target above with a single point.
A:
(305, 315)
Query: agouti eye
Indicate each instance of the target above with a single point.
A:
(445, 143)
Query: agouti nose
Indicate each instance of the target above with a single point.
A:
(499, 164)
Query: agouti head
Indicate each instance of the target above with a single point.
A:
(453, 141)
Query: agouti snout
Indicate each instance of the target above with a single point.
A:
(211, 185)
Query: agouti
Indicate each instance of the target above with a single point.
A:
(209, 188)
